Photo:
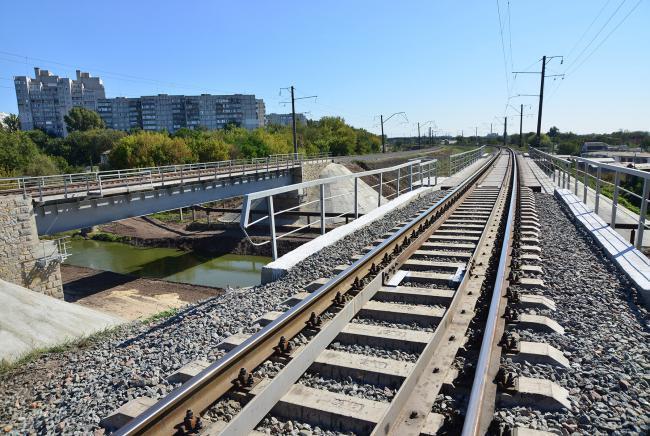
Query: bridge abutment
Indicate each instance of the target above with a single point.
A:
(25, 259)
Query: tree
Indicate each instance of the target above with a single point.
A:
(147, 149)
(82, 119)
(11, 122)
(86, 148)
(19, 156)
(553, 132)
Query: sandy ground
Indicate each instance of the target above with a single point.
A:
(128, 297)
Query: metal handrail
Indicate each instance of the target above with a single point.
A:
(427, 167)
(567, 168)
(90, 179)
(481, 380)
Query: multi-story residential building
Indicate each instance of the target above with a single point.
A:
(285, 119)
(173, 112)
(121, 113)
(44, 100)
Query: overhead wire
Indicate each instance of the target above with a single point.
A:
(606, 37)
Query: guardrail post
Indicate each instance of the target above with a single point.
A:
(617, 178)
(267, 165)
(322, 209)
(399, 172)
(597, 200)
(575, 182)
(381, 183)
(642, 214)
(584, 183)
(420, 170)
(40, 188)
(65, 187)
(411, 177)
(356, 198)
(274, 245)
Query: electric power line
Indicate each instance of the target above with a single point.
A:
(606, 38)
(596, 35)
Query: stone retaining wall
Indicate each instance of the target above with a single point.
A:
(20, 249)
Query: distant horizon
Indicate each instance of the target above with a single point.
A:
(445, 64)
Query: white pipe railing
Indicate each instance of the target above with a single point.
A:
(583, 169)
(462, 160)
(425, 171)
(98, 181)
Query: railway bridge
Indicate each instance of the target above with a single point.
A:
(495, 301)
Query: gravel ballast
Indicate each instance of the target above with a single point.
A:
(606, 337)
(71, 391)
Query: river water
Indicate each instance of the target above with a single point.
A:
(168, 263)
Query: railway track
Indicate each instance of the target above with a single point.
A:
(378, 349)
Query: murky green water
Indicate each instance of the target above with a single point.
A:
(168, 263)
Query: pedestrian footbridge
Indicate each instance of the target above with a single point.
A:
(73, 201)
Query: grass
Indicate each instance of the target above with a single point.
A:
(109, 237)
(68, 345)
(161, 316)
(7, 367)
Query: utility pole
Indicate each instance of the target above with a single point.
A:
(381, 118)
(521, 123)
(293, 118)
(490, 128)
(383, 144)
(541, 100)
(505, 131)
(418, 134)
(476, 133)
(545, 60)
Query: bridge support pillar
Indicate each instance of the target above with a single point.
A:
(24, 259)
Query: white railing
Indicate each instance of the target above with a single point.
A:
(462, 160)
(590, 172)
(404, 177)
(94, 183)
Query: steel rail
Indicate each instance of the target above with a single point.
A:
(206, 387)
(474, 417)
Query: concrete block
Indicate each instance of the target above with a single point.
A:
(540, 323)
(539, 393)
(536, 301)
(363, 369)
(415, 295)
(402, 313)
(125, 413)
(530, 283)
(331, 410)
(538, 352)
(316, 284)
(412, 341)
(188, 371)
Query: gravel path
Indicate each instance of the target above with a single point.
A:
(606, 338)
(72, 391)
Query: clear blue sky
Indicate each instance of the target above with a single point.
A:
(435, 60)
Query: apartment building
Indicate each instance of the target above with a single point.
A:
(285, 119)
(174, 112)
(44, 100)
